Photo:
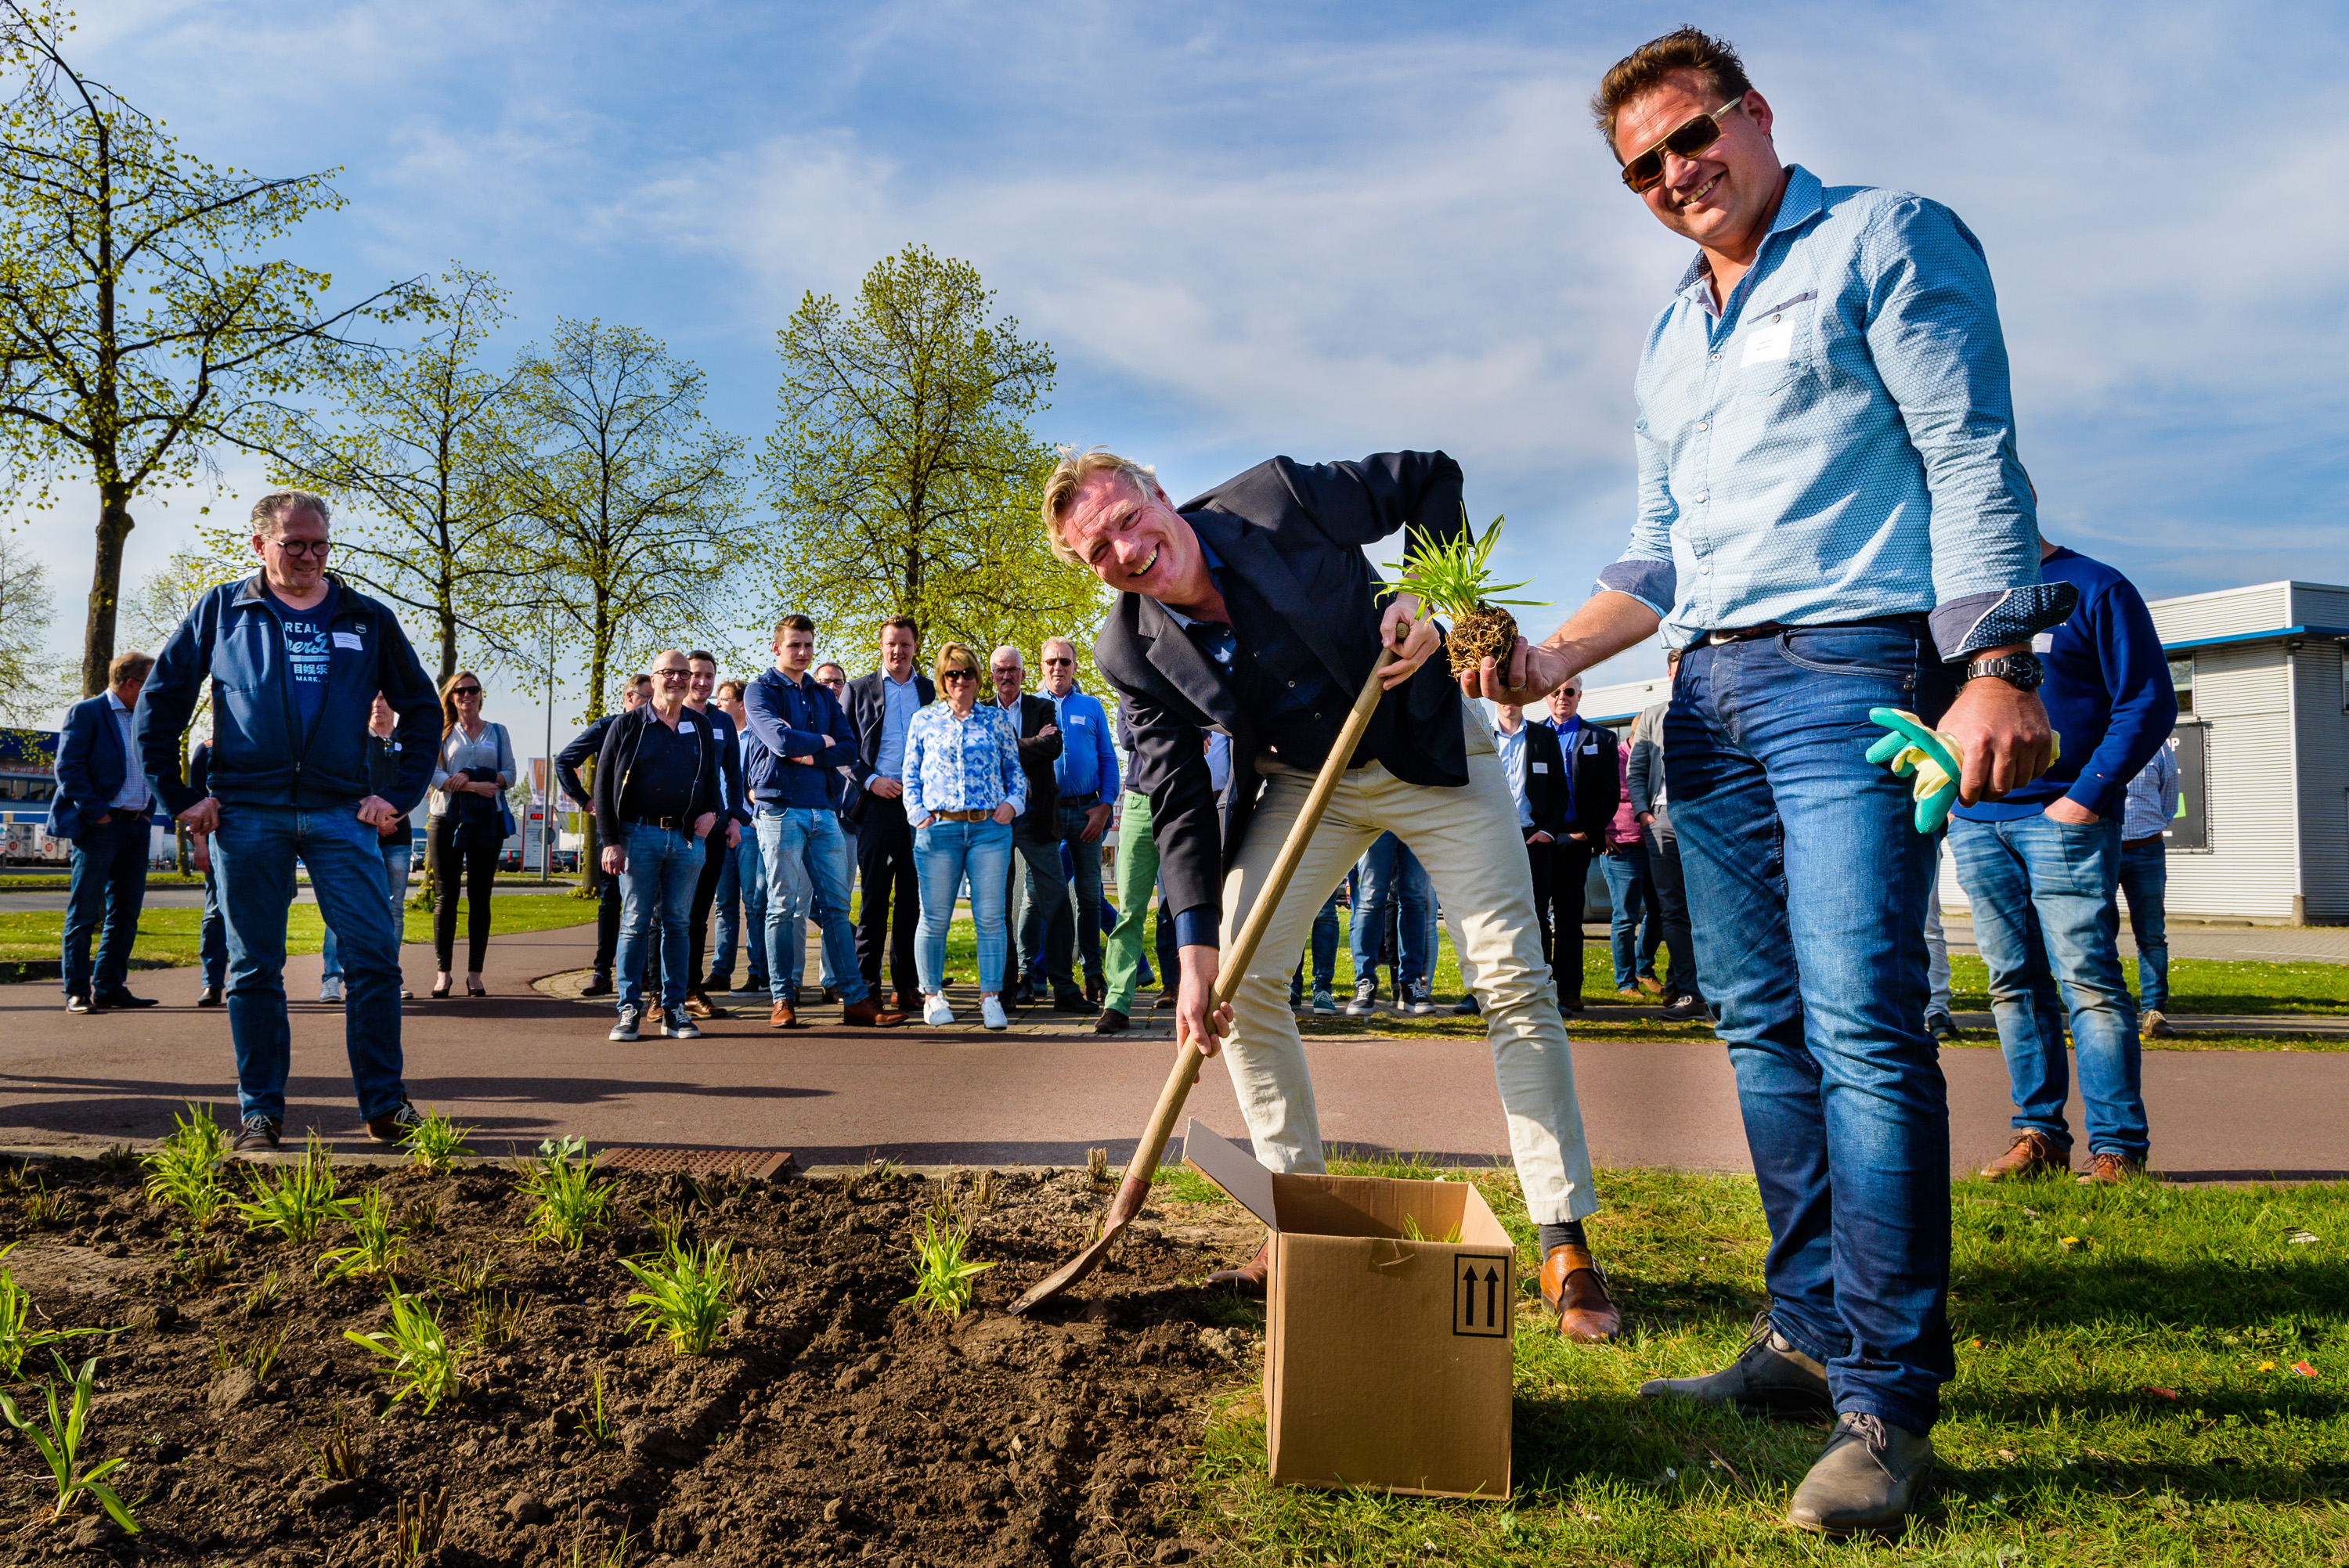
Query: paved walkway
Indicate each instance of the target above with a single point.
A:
(524, 1065)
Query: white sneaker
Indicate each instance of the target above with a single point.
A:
(991, 1013)
(330, 989)
(936, 1011)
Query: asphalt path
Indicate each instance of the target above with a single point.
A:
(53, 900)
(523, 1065)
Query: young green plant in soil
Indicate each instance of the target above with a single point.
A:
(376, 1244)
(425, 1361)
(336, 1457)
(1453, 578)
(942, 1274)
(568, 1201)
(18, 1337)
(60, 1446)
(183, 1170)
(434, 1142)
(688, 1296)
(299, 1202)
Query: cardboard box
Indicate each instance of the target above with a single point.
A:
(1387, 1360)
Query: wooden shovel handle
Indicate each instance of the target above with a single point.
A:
(1236, 958)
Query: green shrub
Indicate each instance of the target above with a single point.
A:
(688, 1294)
(425, 1361)
(942, 1275)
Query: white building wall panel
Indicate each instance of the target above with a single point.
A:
(2319, 604)
(2253, 867)
(2324, 760)
(2227, 613)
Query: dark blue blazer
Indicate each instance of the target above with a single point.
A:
(90, 768)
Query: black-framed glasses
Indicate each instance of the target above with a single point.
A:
(1686, 139)
(958, 675)
(672, 674)
(318, 547)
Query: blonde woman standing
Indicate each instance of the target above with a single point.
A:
(471, 774)
(964, 785)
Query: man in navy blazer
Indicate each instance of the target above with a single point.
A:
(104, 805)
(881, 705)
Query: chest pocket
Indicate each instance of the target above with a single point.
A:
(1776, 348)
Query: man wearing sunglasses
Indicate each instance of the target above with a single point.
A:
(295, 657)
(1831, 519)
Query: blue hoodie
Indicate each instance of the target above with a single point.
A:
(260, 753)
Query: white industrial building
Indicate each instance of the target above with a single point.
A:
(2262, 744)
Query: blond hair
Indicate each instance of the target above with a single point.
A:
(1071, 474)
(955, 654)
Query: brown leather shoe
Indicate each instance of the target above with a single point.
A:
(2108, 1168)
(866, 1012)
(1249, 1277)
(2031, 1154)
(784, 1016)
(903, 1001)
(1575, 1290)
(698, 1007)
(1111, 1022)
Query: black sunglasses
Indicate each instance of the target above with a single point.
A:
(958, 675)
(464, 691)
(1691, 137)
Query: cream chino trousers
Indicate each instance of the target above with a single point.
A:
(1475, 856)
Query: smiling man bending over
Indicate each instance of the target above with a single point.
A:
(1253, 611)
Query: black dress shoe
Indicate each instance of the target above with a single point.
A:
(598, 986)
(1769, 1378)
(76, 1002)
(1070, 1002)
(1111, 1022)
(121, 996)
(209, 997)
(1095, 991)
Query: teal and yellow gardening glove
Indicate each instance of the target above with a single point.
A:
(1934, 758)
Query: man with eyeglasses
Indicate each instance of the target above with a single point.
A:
(1030, 899)
(734, 819)
(295, 657)
(1086, 775)
(584, 747)
(1831, 519)
(657, 799)
(880, 708)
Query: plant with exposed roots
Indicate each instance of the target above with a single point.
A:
(1453, 578)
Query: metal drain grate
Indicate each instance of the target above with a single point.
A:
(757, 1163)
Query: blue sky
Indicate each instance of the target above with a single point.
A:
(1329, 230)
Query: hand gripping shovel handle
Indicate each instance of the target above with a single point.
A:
(1232, 969)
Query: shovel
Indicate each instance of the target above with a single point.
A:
(1232, 970)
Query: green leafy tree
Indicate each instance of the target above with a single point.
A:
(630, 500)
(903, 472)
(29, 677)
(417, 450)
(135, 336)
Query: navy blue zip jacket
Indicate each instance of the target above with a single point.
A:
(259, 753)
(584, 746)
(2108, 693)
(794, 718)
(619, 753)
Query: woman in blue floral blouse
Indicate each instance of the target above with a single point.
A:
(964, 786)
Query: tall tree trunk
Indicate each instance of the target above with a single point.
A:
(114, 527)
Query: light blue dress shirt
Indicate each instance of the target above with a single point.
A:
(1512, 765)
(962, 764)
(1088, 762)
(1838, 442)
(2152, 797)
(900, 701)
(132, 795)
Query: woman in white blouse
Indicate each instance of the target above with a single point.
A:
(473, 770)
(963, 786)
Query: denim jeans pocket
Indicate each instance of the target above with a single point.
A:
(1871, 653)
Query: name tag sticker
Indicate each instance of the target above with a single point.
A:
(1771, 342)
(1541, 766)
(685, 727)
(347, 640)
(2042, 642)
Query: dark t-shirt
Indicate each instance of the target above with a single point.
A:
(306, 654)
(660, 779)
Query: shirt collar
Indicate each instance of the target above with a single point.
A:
(906, 685)
(1215, 571)
(114, 704)
(1803, 199)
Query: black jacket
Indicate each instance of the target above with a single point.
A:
(1598, 781)
(619, 751)
(1297, 533)
(1036, 756)
(866, 709)
(1545, 781)
(587, 743)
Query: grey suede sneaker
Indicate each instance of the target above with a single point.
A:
(1769, 1378)
(1867, 1479)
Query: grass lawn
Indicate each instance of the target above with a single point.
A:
(2126, 1395)
(168, 938)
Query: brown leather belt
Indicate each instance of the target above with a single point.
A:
(2148, 839)
(962, 816)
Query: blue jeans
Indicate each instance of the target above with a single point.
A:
(806, 864)
(1065, 942)
(1807, 879)
(1625, 867)
(945, 852)
(1325, 952)
(741, 883)
(657, 886)
(211, 938)
(1386, 866)
(108, 883)
(254, 854)
(1036, 891)
(395, 887)
(2144, 879)
(2047, 927)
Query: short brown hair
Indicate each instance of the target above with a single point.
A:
(130, 666)
(1647, 67)
(729, 683)
(795, 622)
(705, 656)
(1069, 477)
(904, 623)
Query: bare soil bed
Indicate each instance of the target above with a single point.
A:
(834, 1424)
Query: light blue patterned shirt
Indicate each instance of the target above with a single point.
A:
(2152, 797)
(1837, 443)
(962, 764)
